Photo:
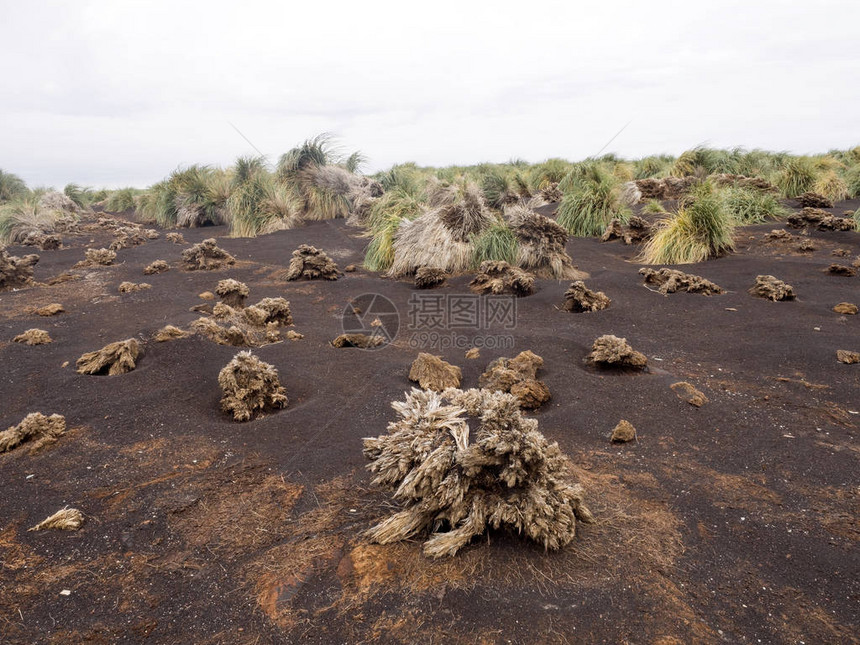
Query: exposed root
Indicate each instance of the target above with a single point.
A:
(206, 256)
(429, 277)
(455, 487)
(578, 297)
(310, 263)
(767, 286)
(33, 337)
(611, 351)
(66, 519)
(672, 280)
(169, 332)
(130, 287)
(250, 386)
(232, 292)
(34, 426)
(517, 376)
(432, 373)
(156, 267)
(16, 272)
(115, 358)
(498, 277)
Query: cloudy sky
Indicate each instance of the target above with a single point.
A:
(113, 93)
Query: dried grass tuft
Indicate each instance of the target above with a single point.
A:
(541, 243)
(517, 376)
(50, 310)
(771, 288)
(455, 486)
(156, 267)
(169, 332)
(130, 287)
(612, 351)
(310, 263)
(33, 337)
(432, 373)
(16, 272)
(34, 426)
(498, 277)
(578, 298)
(116, 358)
(429, 278)
(672, 280)
(206, 256)
(232, 292)
(175, 238)
(250, 386)
(66, 519)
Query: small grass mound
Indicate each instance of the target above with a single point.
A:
(250, 386)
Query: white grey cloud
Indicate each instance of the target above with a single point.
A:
(114, 93)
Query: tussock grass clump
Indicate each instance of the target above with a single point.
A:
(852, 181)
(98, 257)
(385, 217)
(11, 186)
(66, 519)
(797, 176)
(30, 217)
(496, 242)
(34, 426)
(832, 186)
(131, 287)
(232, 292)
(250, 386)
(258, 204)
(635, 231)
(541, 245)
(155, 267)
(429, 278)
(702, 228)
(169, 332)
(360, 341)
(455, 486)
(750, 206)
(121, 200)
(590, 202)
(115, 358)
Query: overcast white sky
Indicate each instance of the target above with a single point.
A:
(112, 93)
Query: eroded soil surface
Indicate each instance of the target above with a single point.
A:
(733, 522)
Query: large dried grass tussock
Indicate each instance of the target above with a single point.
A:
(66, 519)
(310, 263)
(206, 256)
(427, 242)
(33, 337)
(250, 386)
(115, 358)
(34, 426)
(455, 484)
(16, 272)
(542, 245)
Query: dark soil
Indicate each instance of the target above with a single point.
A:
(735, 522)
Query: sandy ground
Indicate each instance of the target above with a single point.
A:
(734, 522)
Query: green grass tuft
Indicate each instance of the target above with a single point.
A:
(497, 242)
(11, 186)
(590, 201)
(797, 176)
(385, 217)
(750, 206)
(702, 228)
